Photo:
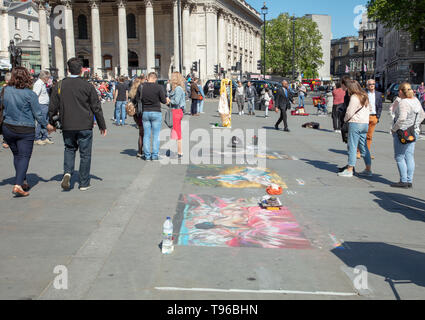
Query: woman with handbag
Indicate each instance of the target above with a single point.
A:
(357, 119)
(408, 117)
(132, 109)
(20, 108)
(177, 104)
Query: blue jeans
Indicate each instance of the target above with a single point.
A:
(21, 145)
(251, 104)
(40, 133)
(357, 140)
(200, 106)
(404, 155)
(78, 140)
(301, 101)
(120, 112)
(152, 122)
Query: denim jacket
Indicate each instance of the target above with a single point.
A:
(21, 108)
(178, 98)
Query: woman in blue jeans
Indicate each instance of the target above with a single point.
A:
(152, 97)
(21, 109)
(408, 113)
(357, 117)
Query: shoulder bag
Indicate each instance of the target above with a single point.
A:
(345, 126)
(409, 135)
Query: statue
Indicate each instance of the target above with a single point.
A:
(225, 104)
(15, 55)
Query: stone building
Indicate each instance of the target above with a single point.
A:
(398, 58)
(133, 36)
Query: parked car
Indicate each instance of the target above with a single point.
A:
(393, 92)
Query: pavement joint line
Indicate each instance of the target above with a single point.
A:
(321, 293)
(139, 186)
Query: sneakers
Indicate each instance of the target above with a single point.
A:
(401, 185)
(66, 182)
(39, 142)
(139, 155)
(346, 173)
(366, 173)
(337, 131)
(47, 141)
(85, 188)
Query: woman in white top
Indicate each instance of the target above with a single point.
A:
(357, 116)
(240, 97)
(407, 113)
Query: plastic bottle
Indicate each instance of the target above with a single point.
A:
(167, 237)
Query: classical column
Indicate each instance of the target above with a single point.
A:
(176, 37)
(57, 43)
(4, 34)
(150, 36)
(95, 35)
(186, 38)
(69, 29)
(122, 36)
(211, 26)
(44, 42)
(222, 41)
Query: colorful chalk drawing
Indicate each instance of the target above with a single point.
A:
(233, 177)
(230, 222)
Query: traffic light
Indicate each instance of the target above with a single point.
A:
(221, 70)
(195, 66)
(259, 65)
(216, 69)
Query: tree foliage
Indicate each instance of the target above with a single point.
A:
(279, 42)
(404, 15)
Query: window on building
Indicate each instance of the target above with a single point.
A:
(16, 23)
(29, 26)
(419, 44)
(82, 27)
(131, 26)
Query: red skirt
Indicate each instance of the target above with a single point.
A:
(176, 132)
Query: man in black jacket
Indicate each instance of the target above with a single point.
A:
(77, 103)
(283, 102)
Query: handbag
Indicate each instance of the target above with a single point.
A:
(345, 127)
(409, 135)
(1, 111)
(168, 118)
(130, 109)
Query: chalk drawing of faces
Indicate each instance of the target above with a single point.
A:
(248, 174)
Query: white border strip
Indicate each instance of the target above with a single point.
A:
(320, 293)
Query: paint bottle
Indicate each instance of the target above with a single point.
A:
(167, 237)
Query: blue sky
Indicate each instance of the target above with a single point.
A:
(341, 11)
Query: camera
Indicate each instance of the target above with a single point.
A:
(56, 122)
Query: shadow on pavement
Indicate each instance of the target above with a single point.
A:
(394, 263)
(323, 165)
(130, 152)
(410, 207)
(344, 152)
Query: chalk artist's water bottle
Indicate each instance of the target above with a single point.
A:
(167, 237)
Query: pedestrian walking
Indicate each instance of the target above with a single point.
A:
(266, 97)
(120, 101)
(338, 103)
(40, 89)
(152, 97)
(251, 94)
(135, 96)
(177, 104)
(195, 96)
(283, 103)
(76, 102)
(408, 114)
(201, 100)
(240, 97)
(211, 90)
(375, 100)
(357, 117)
(20, 110)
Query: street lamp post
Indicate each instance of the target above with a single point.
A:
(363, 71)
(293, 48)
(264, 11)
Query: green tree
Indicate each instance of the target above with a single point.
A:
(308, 51)
(404, 15)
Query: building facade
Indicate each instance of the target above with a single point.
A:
(130, 37)
(324, 23)
(399, 58)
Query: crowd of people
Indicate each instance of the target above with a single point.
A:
(31, 111)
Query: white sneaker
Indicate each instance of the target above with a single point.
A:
(48, 141)
(39, 142)
(243, 112)
(346, 173)
(66, 185)
(85, 188)
(240, 113)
